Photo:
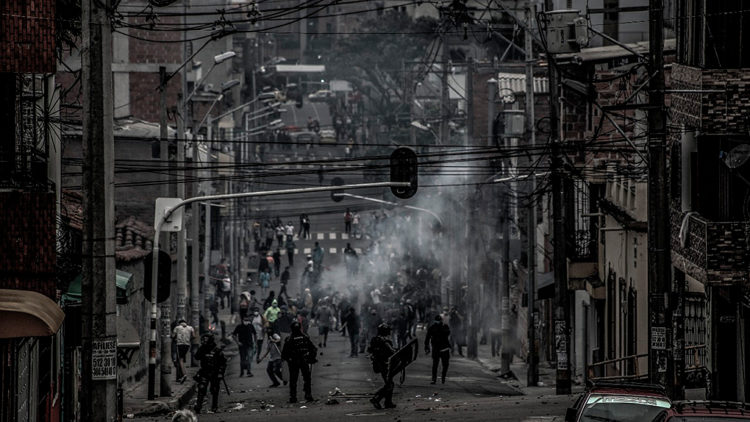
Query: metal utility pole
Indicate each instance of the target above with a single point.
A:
(165, 308)
(532, 372)
(99, 335)
(559, 236)
(661, 359)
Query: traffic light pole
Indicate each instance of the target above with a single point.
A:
(168, 213)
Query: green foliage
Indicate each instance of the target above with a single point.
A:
(374, 60)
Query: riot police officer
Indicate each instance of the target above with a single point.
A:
(381, 349)
(300, 353)
(213, 365)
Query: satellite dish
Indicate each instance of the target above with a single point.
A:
(737, 156)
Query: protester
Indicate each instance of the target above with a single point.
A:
(183, 335)
(351, 325)
(274, 361)
(244, 335)
(438, 340)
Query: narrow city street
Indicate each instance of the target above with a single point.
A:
(342, 387)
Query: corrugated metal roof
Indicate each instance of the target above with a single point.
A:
(516, 82)
(610, 52)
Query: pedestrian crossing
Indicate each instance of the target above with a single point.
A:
(308, 251)
(286, 163)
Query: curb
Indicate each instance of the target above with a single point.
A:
(156, 407)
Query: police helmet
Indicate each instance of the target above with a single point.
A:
(208, 338)
(384, 329)
(296, 327)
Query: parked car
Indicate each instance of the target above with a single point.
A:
(320, 95)
(618, 401)
(708, 411)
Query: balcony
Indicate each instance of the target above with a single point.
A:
(712, 252)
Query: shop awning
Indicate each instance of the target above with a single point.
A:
(24, 313)
(122, 279)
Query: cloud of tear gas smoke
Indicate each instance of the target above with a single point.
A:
(427, 259)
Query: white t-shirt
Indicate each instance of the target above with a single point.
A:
(183, 334)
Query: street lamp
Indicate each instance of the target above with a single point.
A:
(218, 59)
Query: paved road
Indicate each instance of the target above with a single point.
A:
(471, 393)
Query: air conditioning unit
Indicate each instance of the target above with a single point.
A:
(566, 32)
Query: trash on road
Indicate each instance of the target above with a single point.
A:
(332, 401)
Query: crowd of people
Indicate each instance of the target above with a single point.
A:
(387, 297)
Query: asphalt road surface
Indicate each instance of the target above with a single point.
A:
(470, 393)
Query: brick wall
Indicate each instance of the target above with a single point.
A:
(714, 252)
(162, 47)
(27, 36)
(27, 241)
(712, 112)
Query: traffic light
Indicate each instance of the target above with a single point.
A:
(404, 168)
(164, 277)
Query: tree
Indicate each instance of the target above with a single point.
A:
(372, 59)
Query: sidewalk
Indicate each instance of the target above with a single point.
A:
(518, 367)
(135, 399)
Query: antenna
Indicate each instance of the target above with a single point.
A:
(737, 156)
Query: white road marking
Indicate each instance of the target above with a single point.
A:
(308, 251)
(320, 236)
(332, 236)
(332, 250)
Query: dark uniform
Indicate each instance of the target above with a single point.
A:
(299, 352)
(213, 365)
(381, 349)
(439, 339)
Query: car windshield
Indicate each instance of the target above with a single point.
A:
(624, 408)
(697, 418)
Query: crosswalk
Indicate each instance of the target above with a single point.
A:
(322, 237)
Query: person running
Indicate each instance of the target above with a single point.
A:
(244, 336)
(438, 339)
(274, 361)
(299, 353)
